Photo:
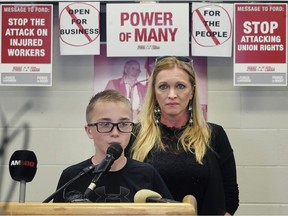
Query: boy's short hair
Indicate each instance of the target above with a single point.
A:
(108, 95)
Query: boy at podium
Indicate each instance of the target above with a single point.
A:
(115, 178)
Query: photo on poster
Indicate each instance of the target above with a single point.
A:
(114, 72)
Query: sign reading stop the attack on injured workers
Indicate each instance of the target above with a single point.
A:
(79, 28)
(212, 29)
(26, 44)
(147, 29)
(260, 45)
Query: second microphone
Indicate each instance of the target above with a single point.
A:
(113, 153)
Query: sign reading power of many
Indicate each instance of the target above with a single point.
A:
(79, 23)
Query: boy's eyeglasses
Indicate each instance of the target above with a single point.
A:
(179, 58)
(106, 127)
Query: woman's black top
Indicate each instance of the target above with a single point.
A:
(213, 183)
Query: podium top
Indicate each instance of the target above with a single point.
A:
(98, 209)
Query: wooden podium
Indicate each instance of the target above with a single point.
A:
(98, 209)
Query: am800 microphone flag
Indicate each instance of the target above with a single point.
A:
(23, 165)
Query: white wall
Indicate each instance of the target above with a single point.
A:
(255, 119)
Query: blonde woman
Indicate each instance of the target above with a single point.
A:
(192, 156)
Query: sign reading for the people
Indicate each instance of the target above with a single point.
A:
(79, 28)
(212, 29)
(26, 45)
(260, 45)
(147, 29)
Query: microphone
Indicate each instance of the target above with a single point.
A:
(149, 196)
(191, 200)
(22, 168)
(113, 153)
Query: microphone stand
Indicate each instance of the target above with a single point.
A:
(22, 191)
(101, 170)
(85, 198)
(84, 171)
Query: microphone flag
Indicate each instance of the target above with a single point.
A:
(23, 165)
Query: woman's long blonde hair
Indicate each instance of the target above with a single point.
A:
(194, 138)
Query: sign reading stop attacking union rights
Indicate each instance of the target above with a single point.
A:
(260, 45)
(26, 45)
(147, 29)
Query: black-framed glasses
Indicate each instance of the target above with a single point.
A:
(179, 58)
(106, 127)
